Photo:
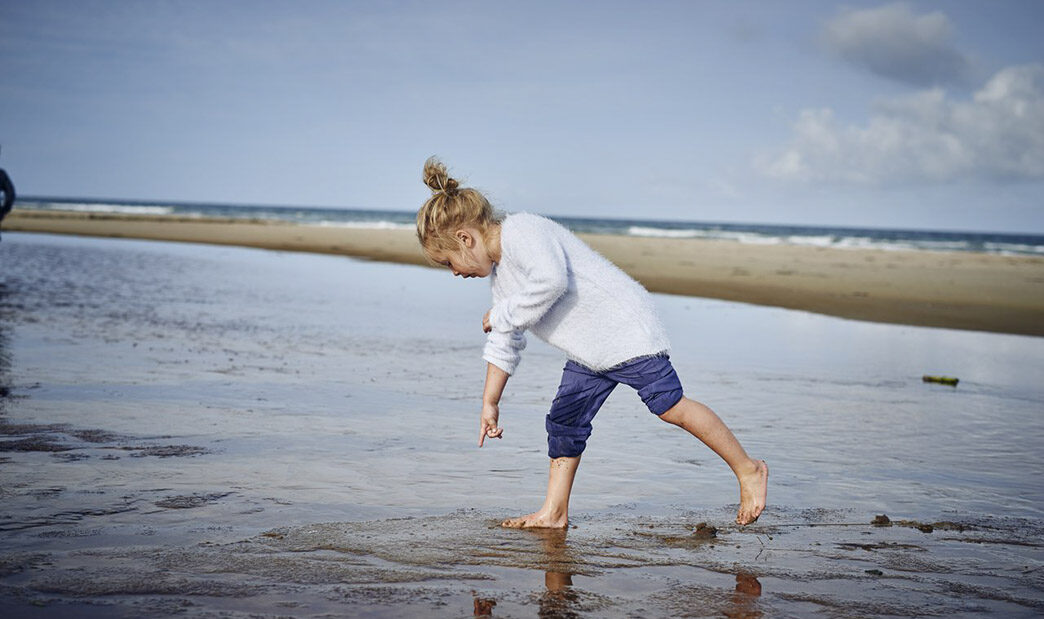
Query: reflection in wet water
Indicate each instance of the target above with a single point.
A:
(6, 316)
(560, 599)
(484, 607)
(744, 598)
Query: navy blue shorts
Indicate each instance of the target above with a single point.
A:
(583, 391)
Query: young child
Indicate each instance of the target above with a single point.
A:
(547, 281)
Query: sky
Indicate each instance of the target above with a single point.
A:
(867, 114)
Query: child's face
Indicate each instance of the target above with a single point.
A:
(464, 263)
(471, 260)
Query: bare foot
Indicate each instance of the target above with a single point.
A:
(537, 520)
(753, 494)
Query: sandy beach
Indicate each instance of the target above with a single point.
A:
(959, 290)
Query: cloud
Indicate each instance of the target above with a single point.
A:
(893, 42)
(998, 134)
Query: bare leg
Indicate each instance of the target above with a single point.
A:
(702, 423)
(555, 512)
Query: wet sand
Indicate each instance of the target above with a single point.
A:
(216, 431)
(463, 564)
(957, 290)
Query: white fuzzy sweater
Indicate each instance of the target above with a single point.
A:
(550, 283)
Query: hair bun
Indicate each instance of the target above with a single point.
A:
(436, 177)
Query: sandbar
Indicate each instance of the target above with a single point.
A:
(957, 290)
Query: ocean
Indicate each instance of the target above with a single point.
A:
(761, 234)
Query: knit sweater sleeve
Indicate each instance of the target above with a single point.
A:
(540, 258)
(503, 348)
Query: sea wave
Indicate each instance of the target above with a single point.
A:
(751, 238)
(370, 225)
(697, 233)
(1013, 248)
(839, 240)
(866, 242)
(662, 232)
(101, 207)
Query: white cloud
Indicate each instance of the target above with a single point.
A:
(998, 134)
(893, 42)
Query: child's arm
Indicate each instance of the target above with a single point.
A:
(503, 349)
(496, 378)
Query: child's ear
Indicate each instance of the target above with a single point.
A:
(465, 238)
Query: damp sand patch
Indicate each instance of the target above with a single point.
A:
(58, 438)
(166, 451)
(57, 510)
(190, 501)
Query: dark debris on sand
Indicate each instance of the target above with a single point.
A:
(882, 520)
(168, 451)
(190, 501)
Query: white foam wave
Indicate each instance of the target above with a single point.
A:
(1013, 248)
(824, 240)
(369, 225)
(833, 241)
(863, 242)
(123, 209)
(692, 233)
(664, 233)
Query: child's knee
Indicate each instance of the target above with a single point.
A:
(564, 441)
(565, 447)
(664, 391)
(662, 402)
(675, 415)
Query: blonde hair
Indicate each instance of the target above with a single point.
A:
(450, 208)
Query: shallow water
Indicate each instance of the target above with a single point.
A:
(208, 430)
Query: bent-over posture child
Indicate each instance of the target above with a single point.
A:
(547, 281)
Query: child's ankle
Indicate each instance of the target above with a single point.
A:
(748, 468)
(555, 512)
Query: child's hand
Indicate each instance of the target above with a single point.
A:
(490, 416)
(486, 327)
